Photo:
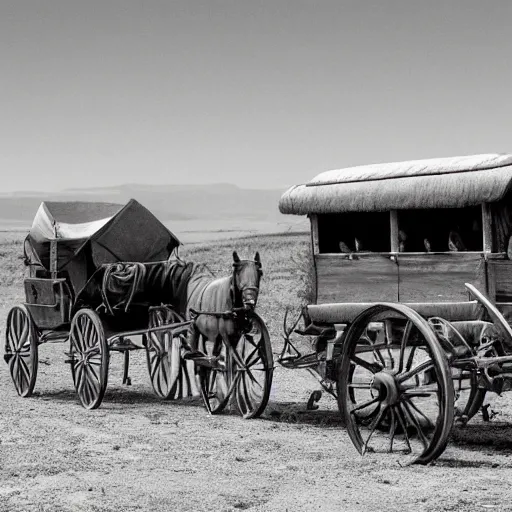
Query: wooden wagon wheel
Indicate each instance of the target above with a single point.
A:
(171, 376)
(21, 350)
(396, 395)
(469, 397)
(90, 357)
(245, 372)
(253, 368)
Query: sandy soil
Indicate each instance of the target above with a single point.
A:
(139, 453)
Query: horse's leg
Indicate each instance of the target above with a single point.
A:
(206, 328)
(191, 341)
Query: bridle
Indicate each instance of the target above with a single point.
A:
(245, 288)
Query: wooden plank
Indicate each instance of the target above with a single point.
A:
(369, 278)
(347, 312)
(487, 227)
(314, 233)
(490, 280)
(439, 277)
(53, 258)
(500, 272)
(393, 223)
(41, 291)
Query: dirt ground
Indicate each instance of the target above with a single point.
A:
(139, 453)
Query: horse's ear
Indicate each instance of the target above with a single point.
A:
(257, 258)
(236, 258)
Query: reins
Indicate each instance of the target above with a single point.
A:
(226, 315)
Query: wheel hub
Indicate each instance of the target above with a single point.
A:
(387, 387)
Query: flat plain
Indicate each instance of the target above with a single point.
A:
(137, 452)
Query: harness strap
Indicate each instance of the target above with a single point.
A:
(194, 313)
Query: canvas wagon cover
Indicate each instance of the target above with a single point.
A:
(433, 183)
(106, 232)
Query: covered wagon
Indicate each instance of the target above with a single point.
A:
(75, 252)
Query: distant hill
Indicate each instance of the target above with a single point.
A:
(216, 207)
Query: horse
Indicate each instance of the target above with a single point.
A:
(215, 304)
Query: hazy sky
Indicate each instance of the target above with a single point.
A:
(257, 93)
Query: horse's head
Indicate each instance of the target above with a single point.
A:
(246, 280)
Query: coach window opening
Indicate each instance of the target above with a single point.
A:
(351, 232)
(438, 230)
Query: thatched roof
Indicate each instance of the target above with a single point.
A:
(434, 183)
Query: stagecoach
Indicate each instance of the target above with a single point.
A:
(410, 326)
(99, 281)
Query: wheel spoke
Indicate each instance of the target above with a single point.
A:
(364, 405)
(255, 352)
(155, 367)
(13, 366)
(410, 359)
(403, 344)
(373, 427)
(426, 365)
(18, 320)
(94, 368)
(404, 428)
(420, 412)
(371, 367)
(253, 378)
(360, 385)
(414, 422)
(392, 429)
(250, 340)
(243, 395)
(88, 334)
(24, 334)
(238, 360)
(79, 377)
(378, 353)
(86, 396)
(81, 325)
(24, 369)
